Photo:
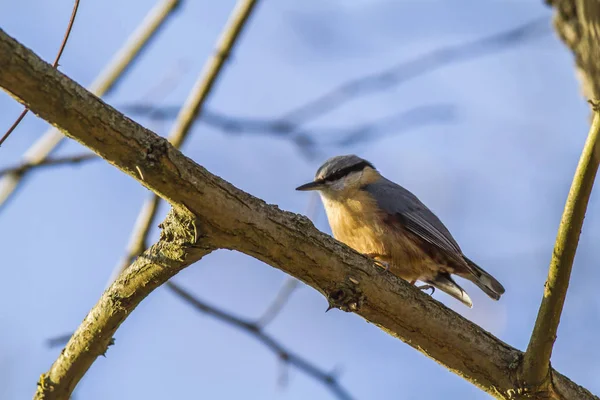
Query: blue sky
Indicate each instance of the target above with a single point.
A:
(497, 173)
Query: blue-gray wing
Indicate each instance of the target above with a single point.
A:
(413, 214)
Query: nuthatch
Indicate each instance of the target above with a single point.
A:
(386, 222)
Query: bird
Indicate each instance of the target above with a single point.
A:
(389, 224)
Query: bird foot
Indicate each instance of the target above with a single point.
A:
(427, 287)
(382, 264)
(385, 266)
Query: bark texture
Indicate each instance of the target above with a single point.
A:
(180, 245)
(577, 22)
(226, 217)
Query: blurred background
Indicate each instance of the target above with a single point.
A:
(473, 106)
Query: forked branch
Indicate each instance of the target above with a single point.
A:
(233, 219)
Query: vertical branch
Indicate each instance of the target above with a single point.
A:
(185, 119)
(208, 76)
(102, 85)
(536, 362)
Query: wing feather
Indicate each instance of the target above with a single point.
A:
(413, 214)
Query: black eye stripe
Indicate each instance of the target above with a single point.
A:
(345, 171)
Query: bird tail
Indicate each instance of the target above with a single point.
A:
(483, 280)
(446, 284)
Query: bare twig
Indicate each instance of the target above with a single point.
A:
(235, 220)
(54, 64)
(160, 89)
(208, 76)
(286, 356)
(308, 144)
(284, 294)
(49, 162)
(441, 112)
(14, 125)
(421, 65)
(107, 80)
(186, 117)
(371, 83)
(309, 141)
(536, 362)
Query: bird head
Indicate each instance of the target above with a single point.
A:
(341, 175)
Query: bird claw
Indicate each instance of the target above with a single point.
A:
(427, 287)
(385, 266)
(382, 264)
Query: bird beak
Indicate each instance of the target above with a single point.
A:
(310, 186)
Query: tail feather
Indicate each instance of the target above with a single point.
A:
(483, 280)
(446, 284)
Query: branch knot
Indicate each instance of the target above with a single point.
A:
(346, 296)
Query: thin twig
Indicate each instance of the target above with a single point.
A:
(291, 122)
(284, 294)
(14, 125)
(187, 116)
(327, 379)
(160, 90)
(421, 65)
(309, 141)
(308, 144)
(536, 362)
(49, 162)
(381, 80)
(208, 76)
(441, 112)
(106, 80)
(54, 64)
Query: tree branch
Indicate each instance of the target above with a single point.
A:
(536, 363)
(371, 83)
(305, 138)
(327, 379)
(106, 81)
(420, 65)
(278, 303)
(233, 219)
(186, 118)
(177, 248)
(49, 162)
(290, 123)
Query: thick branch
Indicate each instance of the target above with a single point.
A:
(236, 220)
(177, 248)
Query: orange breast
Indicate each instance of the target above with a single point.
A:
(357, 223)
